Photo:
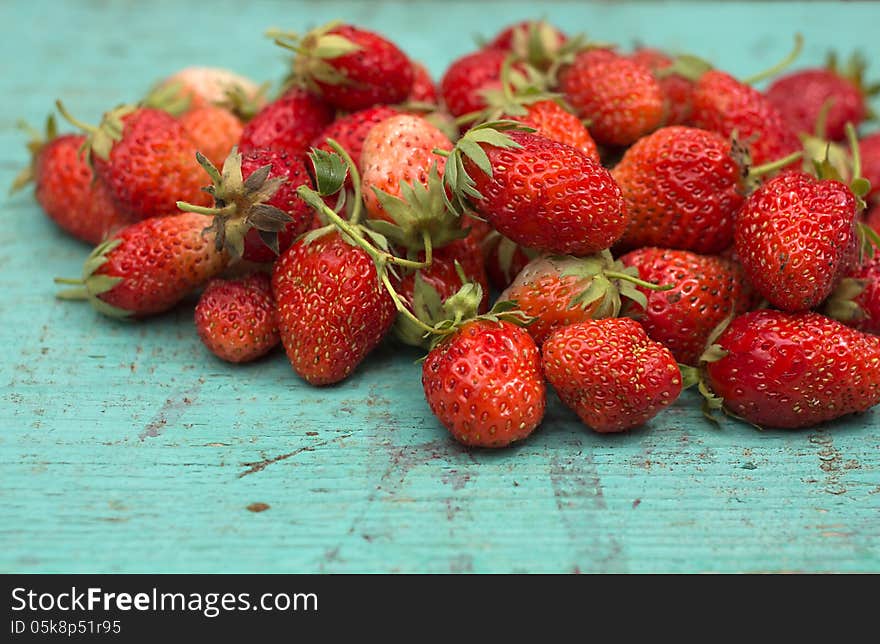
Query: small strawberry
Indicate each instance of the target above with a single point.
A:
(196, 87)
(399, 150)
(65, 187)
(558, 291)
(794, 236)
(620, 97)
(484, 383)
(466, 79)
(677, 90)
(707, 290)
(289, 123)
(611, 373)
(539, 193)
(351, 68)
(856, 299)
(148, 267)
(423, 88)
(792, 370)
(214, 130)
(257, 212)
(236, 318)
(145, 158)
(801, 97)
(869, 149)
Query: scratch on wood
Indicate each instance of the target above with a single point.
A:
(259, 466)
(831, 462)
(170, 412)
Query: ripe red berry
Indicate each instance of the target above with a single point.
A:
(466, 79)
(288, 124)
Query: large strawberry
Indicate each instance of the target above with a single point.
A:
(148, 267)
(707, 290)
(236, 318)
(467, 78)
(399, 150)
(289, 123)
(802, 97)
(611, 373)
(65, 187)
(145, 158)
(539, 193)
(620, 97)
(352, 68)
(484, 383)
(794, 237)
(791, 370)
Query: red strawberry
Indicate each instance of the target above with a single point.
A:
(725, 105)
(707, 291)
(351, 130)
(484, 383)
(466, 79)
(214, 130)
(558, 291)
(620, 97)
(65, 187)
(611, 373)
(399, 149)
(504, 259)
(794, 236)
(148, 267)
(801, 97)
(856, 300)
(539, 193)
(423, 88)
(792, 370)
(332, 310)
(289, 123)
(146, 159)
(236, 319)
(198, 87)
(869, 148)
(552, 121)
(535, 41)
(677, 90)
(352, 68)
(257, 212)
(682, 187)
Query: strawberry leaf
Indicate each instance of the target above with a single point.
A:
(330, 171)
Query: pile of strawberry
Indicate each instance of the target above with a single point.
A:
(651, 223)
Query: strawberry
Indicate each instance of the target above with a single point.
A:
(794, 236)
(725, 105)
(620, 97)
(677, 90)
(707, 290)
(65, 187)
(289, 123)
(351, 130)
(611, 373)
(869, 148)
(398, 150)
(423, 88)
(236, 318)
(535, 41)
(148, 267)
(856, 299)
(558, 291)
(332, 310)
(682, 187)
(197, 87)
(872, 218)
(483, 382)
(539, 193)
(351, 68)
(257, 212)
(145, 158)
(801, 97)
(466, 79)
(792, 370)
(504, 259)
(552, 121)
(214, 130)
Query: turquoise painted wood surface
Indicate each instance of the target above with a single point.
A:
(126, 447)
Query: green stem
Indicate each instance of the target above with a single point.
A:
(204, 210)
(404, 310)
(853, 141)
(781, 65)
(639, 282)
(429, 247)
(355, 180)
(772, 166)
(73, 120)
(440, 153)
(68, 280)
(466, 119)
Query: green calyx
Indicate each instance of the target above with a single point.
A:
(313, 51)
(240, 204)
(243, 104)
(686, 66)
(854, 71)
(841, 305)
(456, 178)
(539, 44)
(93, 284)
(36, 142)
(506, 250)
(422, 219)
(100, 140)
(168, 97)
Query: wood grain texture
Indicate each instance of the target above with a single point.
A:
(126, 447)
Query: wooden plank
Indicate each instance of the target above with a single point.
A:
(126, 447)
